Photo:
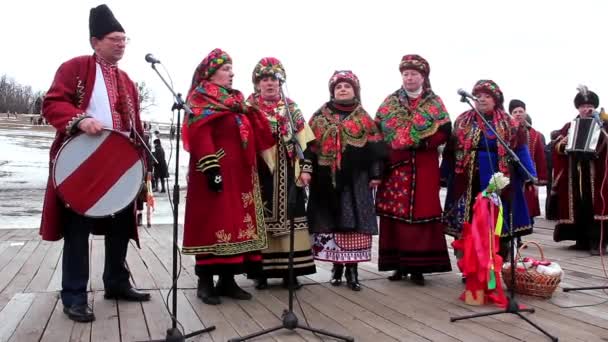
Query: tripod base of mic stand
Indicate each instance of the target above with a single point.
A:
(568, 289)
(290, 322)
(512, 308)
(175, 335)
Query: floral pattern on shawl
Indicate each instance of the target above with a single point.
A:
(334, 135)
(403, 126)
(467, 126)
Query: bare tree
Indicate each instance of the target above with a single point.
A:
(14, 97)
(146, 97)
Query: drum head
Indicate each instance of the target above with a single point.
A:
(98, 175)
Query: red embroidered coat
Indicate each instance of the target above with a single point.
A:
(230, 222)
(537, 153)
(64, 103)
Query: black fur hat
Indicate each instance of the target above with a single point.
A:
(102, 22)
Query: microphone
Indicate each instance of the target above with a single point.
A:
(150, 59)
(279, 76)
(464, 93)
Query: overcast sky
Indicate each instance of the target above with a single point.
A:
(537, 51)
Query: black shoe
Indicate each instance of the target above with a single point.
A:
(206, 292)
(296, 284)
(397, 275)
(129, 294)
(261, 283)
(417, 278)
(79, 313)
(227, 287)
(579, 246)
(352, 277)
(336, 274)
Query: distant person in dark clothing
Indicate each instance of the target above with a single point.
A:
(172, 132)
(160, 167)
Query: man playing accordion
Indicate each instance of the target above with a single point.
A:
(578, 173)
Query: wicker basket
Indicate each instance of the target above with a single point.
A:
(531, 282)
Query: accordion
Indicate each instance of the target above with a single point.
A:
(583, 136)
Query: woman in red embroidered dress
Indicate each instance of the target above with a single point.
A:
(414, 123)
(346, 155)
(224, 224)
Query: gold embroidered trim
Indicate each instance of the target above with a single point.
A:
(232, 248)
(79, 92)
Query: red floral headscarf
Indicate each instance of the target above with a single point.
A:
(416, 62)
(209, 65)
(491, 88)
(344, 76)
(267, 66)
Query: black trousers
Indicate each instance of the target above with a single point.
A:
(75, 265)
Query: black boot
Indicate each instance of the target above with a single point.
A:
(417, 278)
(352, 277)
(397, 275)
(336, 274)
(205, 290)
(227, 287)
(261, 283)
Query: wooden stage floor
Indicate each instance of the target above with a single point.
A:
(30, 278)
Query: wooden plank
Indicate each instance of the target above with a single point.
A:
(267, 319)
(97, 254)
(139, 272)
(59, 327)
(25, 273)
(164, 253)
(211, 315)
(10, 271)
(41, 280)
(187, 316)
(132, 322)
(106, 326)
(10, 252)
(157, 271)
(156, 316)
(29, 268)
(365, 313)
(33, 324)
(510, 321)
(400, 313)
(276, 306)
(436, 311)
(242, 323)
(309, 315)
(12, 314)
(3, 245)
(164, 240)
(55, 282)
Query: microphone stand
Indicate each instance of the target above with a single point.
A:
(512, 304)
(290, 320)
(174, 334)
